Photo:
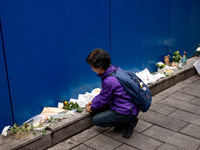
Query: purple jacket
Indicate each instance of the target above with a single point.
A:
(113, 93)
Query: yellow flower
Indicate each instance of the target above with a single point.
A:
(66, 103)
(177, 51)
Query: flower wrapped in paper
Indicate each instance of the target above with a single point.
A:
(52, 110)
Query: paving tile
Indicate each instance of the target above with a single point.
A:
(195, 85)
(68, 144)
(190, 80)
(181, 105)
(81, 137)
(137, 140)
(156, 98)
(173, 138)
(168, 92)
(186, 116)
(172, 90)
(167, 146)
(191, 91)
(195, 101)
(125, 147)
(82, 147)
(87, 134)
(162, 109)
(192, 130)
(162, 120)
(142, 125)
(182, 96)
(102, 142)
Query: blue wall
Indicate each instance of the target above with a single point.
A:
(46, 44)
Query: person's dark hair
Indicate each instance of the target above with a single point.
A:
(99, 58)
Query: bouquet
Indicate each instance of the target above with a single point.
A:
(176, 57)
(24, 130)
(198, 50)
(70, 106)
(160, 65)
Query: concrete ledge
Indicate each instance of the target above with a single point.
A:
(176, 77)
(38, 142)
(73, 125)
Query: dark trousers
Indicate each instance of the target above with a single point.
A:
(110, 118)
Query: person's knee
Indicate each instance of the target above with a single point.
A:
(96, 121)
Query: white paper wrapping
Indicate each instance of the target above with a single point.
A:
(197, 66)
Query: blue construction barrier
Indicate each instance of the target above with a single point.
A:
(46, 44)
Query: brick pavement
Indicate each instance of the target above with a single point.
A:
(172, 123)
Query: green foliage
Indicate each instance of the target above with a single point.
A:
(34, 133)
(80, 109)
(14, 129)
(26, 128)
(160, 66)
(72, 105)
(176, 56)
(22, 129)
(167, 75)
(43, 131)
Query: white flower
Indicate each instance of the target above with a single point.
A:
(36, 124)
(60, 105)
(160, 63)
(4, 132)
(198, 49)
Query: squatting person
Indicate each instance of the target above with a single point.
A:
(111, 106)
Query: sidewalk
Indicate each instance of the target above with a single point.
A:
(172, 123)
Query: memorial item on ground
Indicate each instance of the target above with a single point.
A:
(160, 66)
(198, 51)
(166, 60)
(176, 58)
(184, 59)
(197, 66)
(168, 72)
(25, 129)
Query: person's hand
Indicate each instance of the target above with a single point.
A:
(88, 107)
(89, 104)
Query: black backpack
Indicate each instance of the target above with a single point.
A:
(136, 88)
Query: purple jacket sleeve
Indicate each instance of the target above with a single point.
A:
(104, 96)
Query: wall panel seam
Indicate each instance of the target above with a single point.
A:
(5, 62)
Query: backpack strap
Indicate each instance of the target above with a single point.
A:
(113, 73)
(131, 119)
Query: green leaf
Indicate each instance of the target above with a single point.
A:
(79, 109)
(34, 133)
(25, 125)
(43, 132)
(31, 126)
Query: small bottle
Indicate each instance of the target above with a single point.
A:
(184, 60)
(180, 64)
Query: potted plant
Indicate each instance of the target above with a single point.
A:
(177, 57)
